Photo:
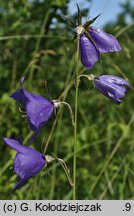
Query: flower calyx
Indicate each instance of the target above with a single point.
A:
(57, 104)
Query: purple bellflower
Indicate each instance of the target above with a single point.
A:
(28, 162)
(111, 86)
(93, 41)
(38, 109)
(101, 43)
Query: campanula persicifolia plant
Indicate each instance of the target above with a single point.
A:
(93, 42)
(111, 86)
(90, 43)
(38, 110)
(28, 162)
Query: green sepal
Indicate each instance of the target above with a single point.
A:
(88, 23)
(79, 18)
(91, 39)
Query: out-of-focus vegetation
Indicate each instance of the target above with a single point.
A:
(36, 41)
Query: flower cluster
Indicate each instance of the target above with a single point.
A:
(38, 110)
(92, 43)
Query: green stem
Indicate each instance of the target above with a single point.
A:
(29, 36)
(75, 123)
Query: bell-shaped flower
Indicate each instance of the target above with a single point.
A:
(98, 42)
(112, 87)
(93, 41)
(28, 162)
(38, 109)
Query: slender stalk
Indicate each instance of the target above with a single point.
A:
(75, 122)
(70, 109)
(68, 84)
(29, 36)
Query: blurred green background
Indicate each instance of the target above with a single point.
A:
(36, 41)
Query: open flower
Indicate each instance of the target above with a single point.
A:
(38, 109)
(28, 162)
(111, 86)
(99, 42)
(93, 41)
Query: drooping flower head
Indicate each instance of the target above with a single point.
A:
(111, 86)
(28, 162)
(93, 42)
(38, 109)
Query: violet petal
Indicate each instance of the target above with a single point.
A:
(114, 79)
(89, 54)
(105, 42)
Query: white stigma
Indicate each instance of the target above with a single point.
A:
(80, 30)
